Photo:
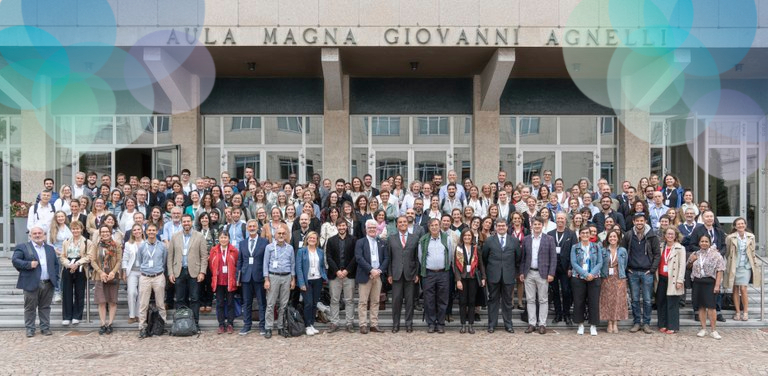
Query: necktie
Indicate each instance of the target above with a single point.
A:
(402, 239)
(712, 235)
(502, 241)
(253, 243)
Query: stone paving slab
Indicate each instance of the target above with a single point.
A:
(740, 352)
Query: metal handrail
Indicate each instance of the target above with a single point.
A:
(762, 285)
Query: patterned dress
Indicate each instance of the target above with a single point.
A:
(613, 296)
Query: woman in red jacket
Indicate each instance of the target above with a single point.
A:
(223, 263)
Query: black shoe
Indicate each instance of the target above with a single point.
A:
(477, 316)
(491, 330)
(268, 334)
(46, 332)
(682, 303)
(109, 329)
(102, 330)
(471, 329)
(350, 328)
(30, 333)
(431, 329)
(568, 321)
(695, 317)
(720, 317)
(530, 329)
(409, 328)
(509, 329)
(395, 328)
(143, 334)
(280, 332)
(557, 319)
(448, 318)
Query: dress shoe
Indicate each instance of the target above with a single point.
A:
(268, 334)
(530, 329)
(509, 329)
(109, 329)
(334, 328)
(557, 319)
(363, 329)
(568, 321)
(491, 330)
(441, 330)
(46, 332)
(720, 317)
(102, 330)
(471, 329)
(448, 318)
(431, 329)
(375, 329)
(409, 328)
(350, 328)
(30, 333)
(143, 334)
(221, 330)
(395, 328)
(230, 329)
(463, 329)
(542, 329)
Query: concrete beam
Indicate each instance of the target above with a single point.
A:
(652, 89)
(332, 79)
(177, 82)
(495, 76)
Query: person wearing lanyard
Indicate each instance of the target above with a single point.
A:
(657, 209)
(310, 274)
(151, 257)
(223, 263)
(72, 258)
(187, 263)
(435, 259)
(613, 286)
(707, 272)
(372, 258)
(561, 286)
(537, 270)
(279, 278)
(38, 269)
(717, 241)
(469, 272)
(741, 266)
(586, 263)
(671, 276)
(250, 263)
(673, 194)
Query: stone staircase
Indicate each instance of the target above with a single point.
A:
(12, 311)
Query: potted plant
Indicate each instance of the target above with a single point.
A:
(20, 212)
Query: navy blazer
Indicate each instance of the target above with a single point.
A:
(363, 258)
(246, 272)
(29, 278)
(547, 256)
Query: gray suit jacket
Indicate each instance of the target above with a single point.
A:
(403, 262)
(500, 264)
(197, 258)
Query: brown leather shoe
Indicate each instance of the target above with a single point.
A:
(375, 329)
(363, 329)
(542, 329)
(530, 329)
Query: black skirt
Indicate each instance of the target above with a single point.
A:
(703, 292)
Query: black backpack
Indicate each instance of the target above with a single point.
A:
(293, 323)
(155, 322)
(183, 322)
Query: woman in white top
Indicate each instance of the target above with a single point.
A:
(546, 215)
(290, 216)
(131, 271)
(126, 216)
(310, 274)
(65, 197)
(59, 231)
(559, 190)
(476, 202)
(328, 229)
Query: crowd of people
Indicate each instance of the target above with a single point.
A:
(424, 244)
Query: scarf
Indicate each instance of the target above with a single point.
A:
(110, 250)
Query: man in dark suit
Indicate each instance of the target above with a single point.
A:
(340, 254)
(537, 270)
(561, 286)
(500, 254)
(250, 275)
(403, 273)
(372, 258)
(38, 269)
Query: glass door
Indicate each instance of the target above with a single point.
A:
(165, 161)
(534, 163)
(99, 161)
(575, 165)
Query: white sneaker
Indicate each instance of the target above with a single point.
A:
(57, 297)
(716, 335)
(592, 330)
(702, 333)
(581, 330)
(309, 331)
(75, 321)
(65, 322)
(314, 330)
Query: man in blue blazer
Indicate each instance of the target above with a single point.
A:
(38, 269)
(250, 275)
(370, 263)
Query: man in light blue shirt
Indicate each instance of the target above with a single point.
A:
(173, 227)
(279, 278)
(152, 256)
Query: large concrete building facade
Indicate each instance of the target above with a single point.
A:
(592, 88)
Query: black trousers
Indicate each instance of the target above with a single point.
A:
(225, 305)
(206, 291)
(667, 306)
(561, 293)
(500, 293)
(467, 300)
(436, 297)
(188, 290)
(451, 293)
(586, 293)
(402, 291)
(73, 294)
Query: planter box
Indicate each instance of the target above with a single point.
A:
(19, 230)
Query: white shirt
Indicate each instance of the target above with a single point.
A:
(42, 260)
(535, 243)
(314, 266)
(504, 211)
(42, 218)
(374, 246)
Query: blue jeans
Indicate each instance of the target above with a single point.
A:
(641, 282)
(253, 290)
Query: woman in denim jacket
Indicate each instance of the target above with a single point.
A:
(587, 263)
(613, 289)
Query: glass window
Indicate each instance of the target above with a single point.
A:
(289, 123)
(288, 166)
(358, 130)
(391, 163)
(534, 163)
(531, 168)
(577, 165)
(245, 122)
(507, 130)
(383, 125)
(462, 162)
(93, 129)
(359, 158)
(657, 161)
(724, 181)
(135, 130)
(281, 164)
(282, 130)
(212, 162)
(15, 130)
(538, 130)
(578, 130)
(314, 130)
(724, 132)
(212, 133)
(433, 125)
(241, 130)
(508, 162)
(462, 132)
(314, 159)
(429, 164)
(608, 166)
(608, 131)
(247, 160)
(657, 133)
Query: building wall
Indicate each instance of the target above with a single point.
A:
(265, 96)
(374, 96)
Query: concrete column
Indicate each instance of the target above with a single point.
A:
(185, 131)
(37, 155)
(336, 160)
(485, 137)
(634, 145)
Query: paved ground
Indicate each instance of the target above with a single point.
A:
(740, 352)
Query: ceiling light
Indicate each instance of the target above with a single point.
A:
(414, 65)
(251, 66)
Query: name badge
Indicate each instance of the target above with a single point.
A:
(301, 243)
(274, 264)
(250, 260)
(585, 267)
(666, 268)
(610, 271)
(151, 263)
(224, 269)
(666, 202)
(557, 249)
(184, 251)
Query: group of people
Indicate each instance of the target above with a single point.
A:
(425, 243)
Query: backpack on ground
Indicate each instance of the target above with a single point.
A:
(183, 322)
(155, 322)
(293, 323)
